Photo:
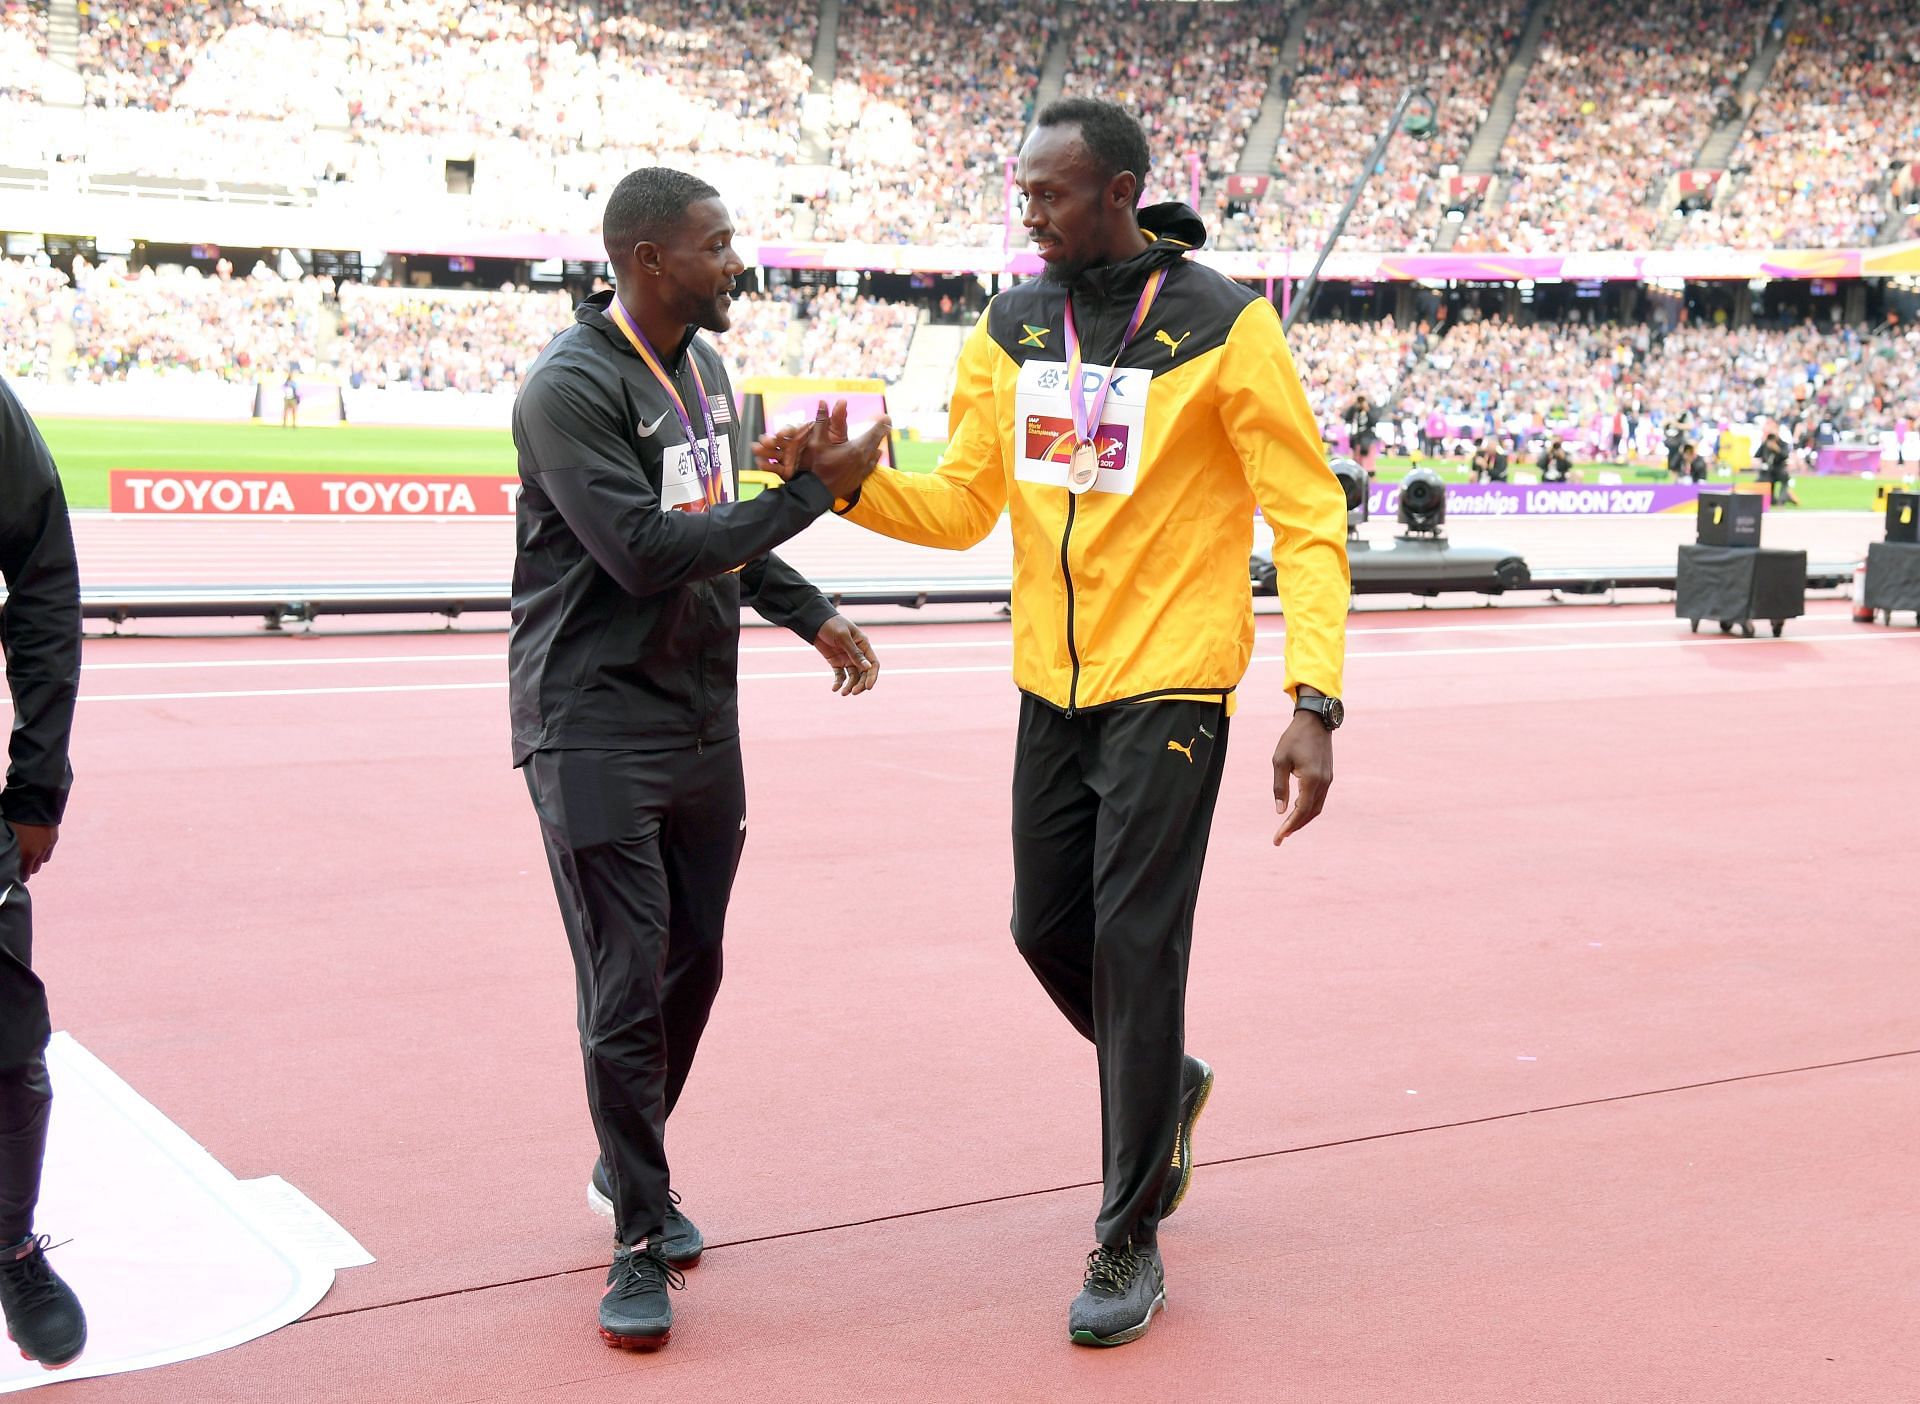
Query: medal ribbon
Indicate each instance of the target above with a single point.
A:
(700, 449)
(1085, 420)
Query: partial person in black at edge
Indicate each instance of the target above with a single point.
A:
(634, 553)
(40, 629)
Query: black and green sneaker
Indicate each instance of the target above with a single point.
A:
(1196, 1085)
(1124, 1288)
(679, 1237)
(43, 1316)
(634, 1311)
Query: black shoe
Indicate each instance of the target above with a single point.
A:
(1196, 1085)
(634, 1311)
(1124, 1288)
(43, 1316)
(679, 1238)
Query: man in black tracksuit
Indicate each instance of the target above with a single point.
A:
(1774, 456)
(40, 628)
(634, 553)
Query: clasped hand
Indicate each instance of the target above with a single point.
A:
(821, 447)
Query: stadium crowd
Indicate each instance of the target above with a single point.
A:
(23, 47)
(1614, 387)
(513, 114)
(1621, 97)
(105, 322)
(1355, 61)
(1610, 388)
(929, 97)
(1840, 109)
(1194, 73)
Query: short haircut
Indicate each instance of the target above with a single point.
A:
(648, 205)
(1113, 135)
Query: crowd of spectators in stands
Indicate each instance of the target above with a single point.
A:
(23, 47)
(105, 322)
(1620, 98)
(849, 335)
(1195, 74)
(1610, 388)
(929, 99)
(545, 100)
(1615, 386)
(382, 103)
(108, 323)
(1355, 61)
(1841, 107)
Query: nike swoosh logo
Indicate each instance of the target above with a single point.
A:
(645, 431)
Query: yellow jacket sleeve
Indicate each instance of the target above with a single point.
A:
(1264, 409)
(957, 504)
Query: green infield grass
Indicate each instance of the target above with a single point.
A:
(88, 449)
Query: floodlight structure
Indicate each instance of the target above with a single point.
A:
(1417, 115)
(1423, 502)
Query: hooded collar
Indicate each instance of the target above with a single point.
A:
(1172, 231)
(593, 313)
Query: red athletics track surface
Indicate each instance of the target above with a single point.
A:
(1571, 1056)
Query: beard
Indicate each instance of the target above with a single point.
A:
(1064, 272)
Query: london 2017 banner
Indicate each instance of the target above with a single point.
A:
(1551, 499)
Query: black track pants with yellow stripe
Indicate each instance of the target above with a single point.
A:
(1111, 811)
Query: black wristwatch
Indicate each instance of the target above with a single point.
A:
(1329, 709)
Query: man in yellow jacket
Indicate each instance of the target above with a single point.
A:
(1130, 409)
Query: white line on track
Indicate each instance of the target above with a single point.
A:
(292, 692)
(375, 660)
(816, 675)
(893, 646)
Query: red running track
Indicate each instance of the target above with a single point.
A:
(1571, 1056)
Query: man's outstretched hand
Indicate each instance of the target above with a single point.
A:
(1304, 756)
(856, 667)
(823, 449)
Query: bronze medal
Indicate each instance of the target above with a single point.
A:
(1084, 468)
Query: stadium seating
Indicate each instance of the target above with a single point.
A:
(1355, 61)
(105, 323)
(929, 98)
(514, 116)
(1841, 112)
(1194, 73)
(1619, 98)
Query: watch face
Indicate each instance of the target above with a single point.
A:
(1334, 714)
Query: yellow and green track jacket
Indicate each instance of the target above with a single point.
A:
(1138, 590)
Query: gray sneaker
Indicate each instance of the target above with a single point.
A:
(1196, 1085)
(679, 1238)
(1124, 1288)
(634, 1311)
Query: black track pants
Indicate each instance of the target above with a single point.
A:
(1111, 811)
(643, 846)
(25, 1098)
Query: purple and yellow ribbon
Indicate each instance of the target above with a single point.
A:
(702, 450)
(1086, 421)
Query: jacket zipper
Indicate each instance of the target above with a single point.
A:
(702, 715)
(1073, 653)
